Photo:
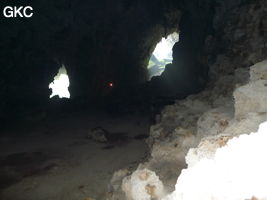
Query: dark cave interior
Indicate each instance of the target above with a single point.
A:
(119, 119)
(101, 42)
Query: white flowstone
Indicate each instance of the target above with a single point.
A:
(237, 171)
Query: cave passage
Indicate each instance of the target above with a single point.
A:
(60, 84)
(162, 55)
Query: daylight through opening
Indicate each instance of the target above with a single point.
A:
(162, 55)
(60, 84)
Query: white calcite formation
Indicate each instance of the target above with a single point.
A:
(237, 171)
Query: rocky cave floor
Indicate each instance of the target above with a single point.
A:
(54, 159)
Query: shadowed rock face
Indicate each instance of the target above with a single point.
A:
(99, 42)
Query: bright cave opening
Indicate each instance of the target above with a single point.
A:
(60, 84)
(162, 55)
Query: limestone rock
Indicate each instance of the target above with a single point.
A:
(176, 147)
(206, 149)
(215, 113)
(259, 71)
(114, 187)
(251, 98)
(143, 185)
(250, 110)
(209, 144)
(214, 121)
(249, 123)
(116, 179)
(98, 134)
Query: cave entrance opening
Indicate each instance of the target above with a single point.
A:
(162, 55)
(60, 84)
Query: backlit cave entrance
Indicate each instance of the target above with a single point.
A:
(162, 55)
(60, 84)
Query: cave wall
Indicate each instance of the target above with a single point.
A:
(188, 73)
(232, 32)
(240, 36)
(98, 41)
(195, 127)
